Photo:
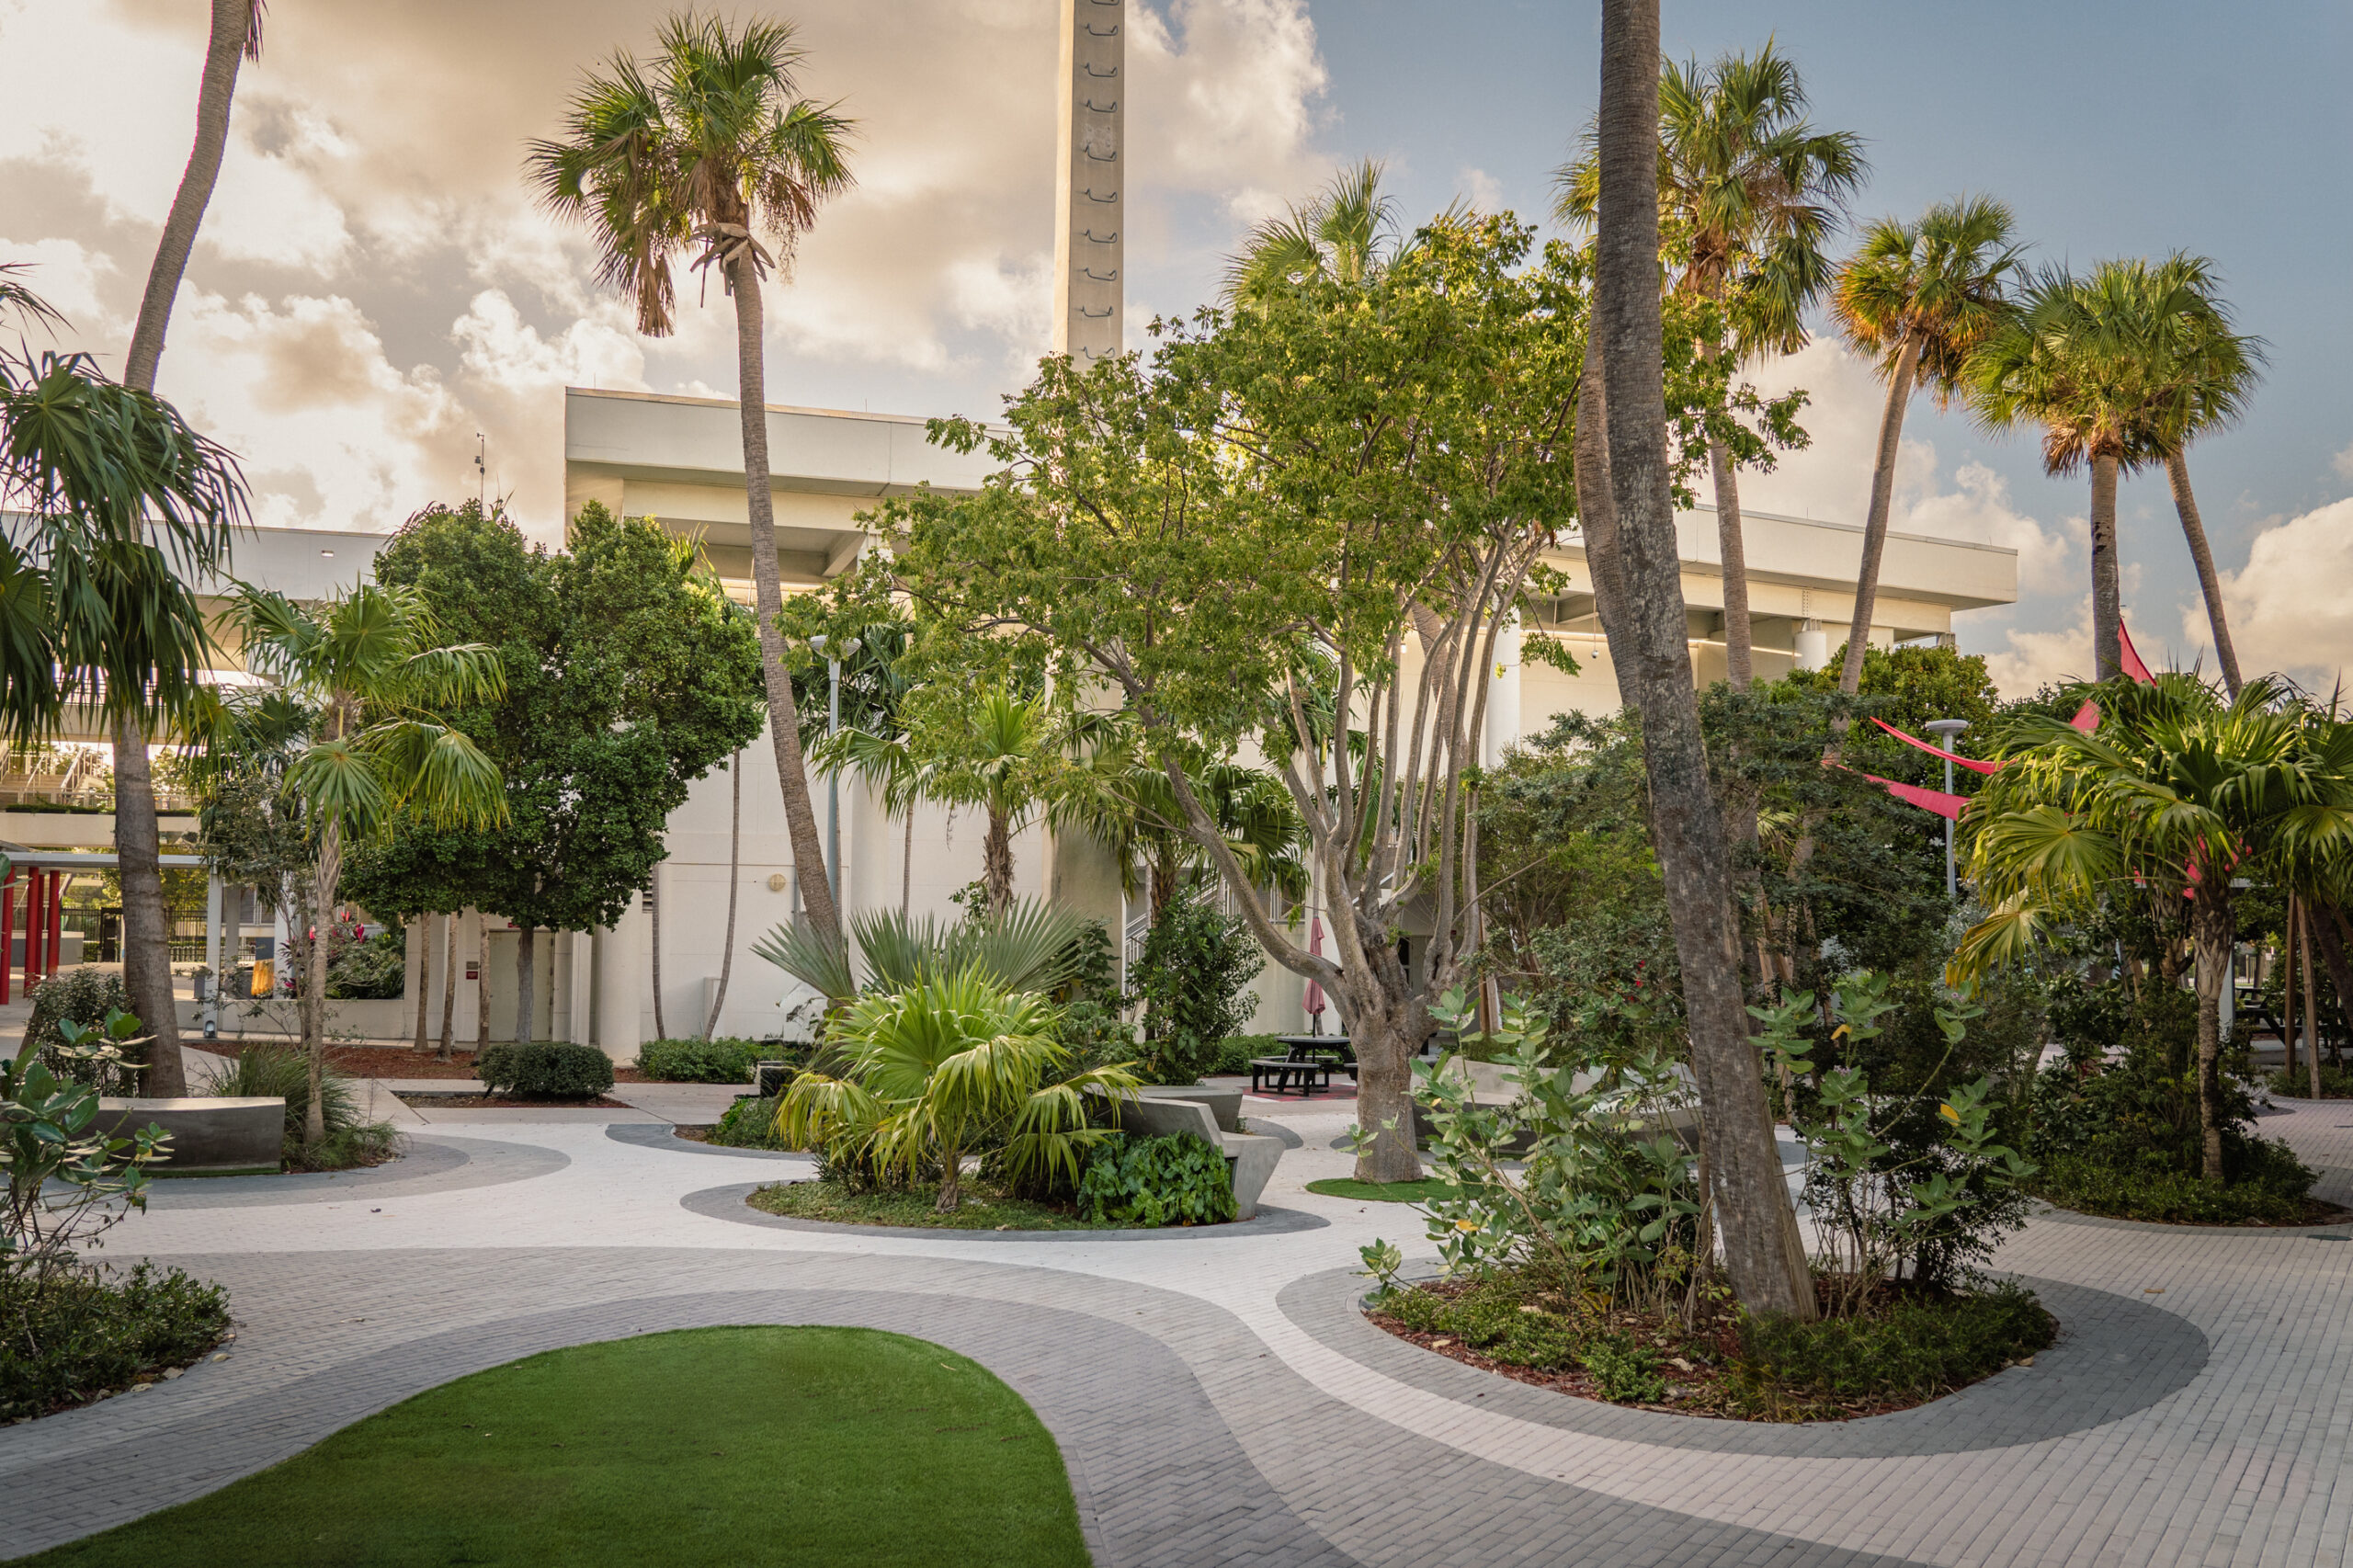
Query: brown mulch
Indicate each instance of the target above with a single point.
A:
(1697, 1366)
(506, 1102)
(403, 1062)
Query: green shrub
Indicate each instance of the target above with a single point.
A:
(2272, 1193)
(2335, 1083)
(82, 1334)
(262, 1071)
(84, 994)
(546, 1070)
(1624, 1372)
(1912, 1346)
(1172, 1180)
(1193, 978)
(749, 1124)
(374, 969)
(1236, 1052)
(698, 1060)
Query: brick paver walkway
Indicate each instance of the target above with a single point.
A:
(1215, 1396)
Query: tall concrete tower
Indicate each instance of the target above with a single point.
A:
(1092, 192)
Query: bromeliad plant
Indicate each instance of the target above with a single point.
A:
(1877, 1211)
(951, 1065)
(1581, 1176)
(63, 1170)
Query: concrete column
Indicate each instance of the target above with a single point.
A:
(1091, 177)
(622, 980)
(582, 986)
(210, 1011)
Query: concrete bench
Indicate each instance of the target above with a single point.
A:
(1224, 1104)
(1250, 1156)
(224, 1136)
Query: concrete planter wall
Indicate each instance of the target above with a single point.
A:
(210, 1137)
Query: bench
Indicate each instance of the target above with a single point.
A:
(1308, 1075)
(210, 1135)
(1250, 1158)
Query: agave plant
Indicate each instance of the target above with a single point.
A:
(1030, 945)
(951, 1061)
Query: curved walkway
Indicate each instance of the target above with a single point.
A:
(1217, 1401)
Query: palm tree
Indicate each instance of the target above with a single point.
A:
(368, 667)
(1753, 190)
(1002, 763)
(947, 1063)
(146, 955)
(112, 502)
(1347, 233)
(2178, 790)
(2081, 360)
(707, 148)
(1917, 298)
(1764, 1253)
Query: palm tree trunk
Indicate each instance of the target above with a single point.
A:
(527, 983)
(2210, 926)
(482, 979)
(449, 983)
(1598, 511)
(1891, 442)
(784, 719)
(907, 864)
(997, 858)
(653, 913)
(2340, 971)
(1763, 1251)
(314, 978)
(2108, 599)
(1739, 646)
(735, 861)
(2193, 529)
(146, 952)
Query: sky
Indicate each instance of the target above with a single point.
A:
(374, 286)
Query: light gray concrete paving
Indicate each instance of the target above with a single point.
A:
(1216, 1402)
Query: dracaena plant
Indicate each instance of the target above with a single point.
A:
(1880, 1211)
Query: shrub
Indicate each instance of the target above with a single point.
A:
(86, 1331)
(83, 994)
(749, 1123)
(2335, 1083)
(545, 1070)
(283, 1070)
(1236, 1050)
(2156, 1192)
(63, 1172)
(376, 968)
(1624, 1372)
(698, 1060)
(1910, 1345)
(1193, 979)
(1172, 1180)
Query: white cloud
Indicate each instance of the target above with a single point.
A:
(2343, 463)
(71, 278)
(2032, 659)
(1482, 189)
(2289, 607)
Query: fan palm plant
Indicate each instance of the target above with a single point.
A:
(2177, 790)
(368, 667)
(1917, 298)
(1026, 945)
(943, 1065)
(1754, 191)
(1345, 234)
(1001, 757)
(705, 149)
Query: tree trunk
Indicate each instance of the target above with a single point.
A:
(1891, 442)
(907, 864)
(1739, 647)
(1763, 1252)
(482, 979)
(423, 983)
(527, 983)
(2209, 922)
(2340, 971)
(146, 953)
(1388, 1020)
(734, 863)
(2312, 996)
(2209, 586)
(784, 717)
(146, 938)
(2108, 603)
(1597, 512)
(997, 858)
(448, 983)
(2288, 988)
(654, 945)
(314, 977)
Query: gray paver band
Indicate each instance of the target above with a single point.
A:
(433, 1163)
(662, 1136)
(2114, 1355)
(727, 1203)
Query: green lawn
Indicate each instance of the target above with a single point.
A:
(1421, 1191)
(717, 1446)
(982, 1208)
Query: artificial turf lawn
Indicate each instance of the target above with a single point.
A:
(723, 1447)
(1422, 1191)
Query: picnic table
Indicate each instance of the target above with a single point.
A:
(1332, 1050)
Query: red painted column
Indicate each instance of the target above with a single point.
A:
(34, 889)
(56, 920)
(7, 931)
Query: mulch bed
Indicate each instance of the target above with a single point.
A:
(506, 1102)
(403, 1062)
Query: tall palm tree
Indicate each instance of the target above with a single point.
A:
(369, 667)
(1764, 1253)
(2078, 360)
(1345, 234)
(2176, 790)
(706, 148)
(1917, 298)
(235, 36)
(1002, 763)
(1753, 191)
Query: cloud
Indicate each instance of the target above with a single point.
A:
(1480, 188)
(2343, 463)
(2288, 606)
(2031, 659)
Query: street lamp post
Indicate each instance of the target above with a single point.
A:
(833, 778)
(1948, 732)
